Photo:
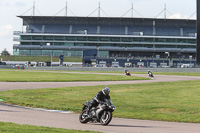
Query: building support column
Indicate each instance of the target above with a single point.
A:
(198, 34)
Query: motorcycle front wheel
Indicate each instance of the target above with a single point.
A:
(83, 117)
(106, 118)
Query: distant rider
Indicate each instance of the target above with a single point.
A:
(99, 98)
(150, 73)
(127, 73)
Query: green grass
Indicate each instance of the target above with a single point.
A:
(31, 76)
(167, 101)
(7, 127)
(40, 58)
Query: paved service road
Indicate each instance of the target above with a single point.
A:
(21, 115)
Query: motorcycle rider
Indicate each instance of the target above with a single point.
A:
(99, 98)
(150, 73)
(127, 73)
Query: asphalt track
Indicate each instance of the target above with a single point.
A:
(20, 115)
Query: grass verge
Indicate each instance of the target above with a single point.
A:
(167, 101)
(7, 127)
(31, 76)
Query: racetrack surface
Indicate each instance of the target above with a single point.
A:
(38, 85)
(9, 113)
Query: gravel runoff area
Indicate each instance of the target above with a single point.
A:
(9, 113)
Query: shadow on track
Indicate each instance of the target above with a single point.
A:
(130, 126)
(8, 111)
(114, 125)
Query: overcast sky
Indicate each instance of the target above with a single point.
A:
(9, 9)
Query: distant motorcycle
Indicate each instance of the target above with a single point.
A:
(150, 74)
(127, 73)
(102, 113)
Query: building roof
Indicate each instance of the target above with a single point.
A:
(106, 20)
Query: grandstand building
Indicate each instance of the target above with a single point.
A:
(124, 41)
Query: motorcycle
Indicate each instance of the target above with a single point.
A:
(102, 113)
(127, 73)
(150, 74)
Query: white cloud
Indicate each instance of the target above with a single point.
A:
(6, 30)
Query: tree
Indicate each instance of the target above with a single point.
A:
(5, 53)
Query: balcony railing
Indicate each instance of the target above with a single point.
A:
(16, 39)
(17, 33)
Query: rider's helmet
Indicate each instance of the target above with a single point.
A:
(106, 91)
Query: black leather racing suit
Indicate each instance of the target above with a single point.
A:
(150, 74)
(100, 97)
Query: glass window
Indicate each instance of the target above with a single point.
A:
(70, 38)
(103, 53)
(37, 38)
(92, 38)
(38, 43)
(36, 52)
(171, 40)
(24, 52)
(26, 37)
(135, 39)
(46, 52)
(26, 43)
(192, 41)
(182, 40)
(166, 46)
(149, 40)
(126, 39)
(78, 53)
(81, 38)
(61, 38)
(104, 39)
(115, 39)
(138, 39)
(48, 37)
(160, 40)
(80, 44)
(58, 43)
(67, 53)
(16, 51)
(148, 45)
(68, 44)
(73, 53)
(57, 52)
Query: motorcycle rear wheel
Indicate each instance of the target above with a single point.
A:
(83, 117)
(105, 120)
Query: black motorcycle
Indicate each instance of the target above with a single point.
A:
(102, 113)
(150, 74)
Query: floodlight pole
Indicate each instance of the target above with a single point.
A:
(132, 11)
(34, 8)
(99, 10)
(165, 14)
(198, 34)
(66, 9)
